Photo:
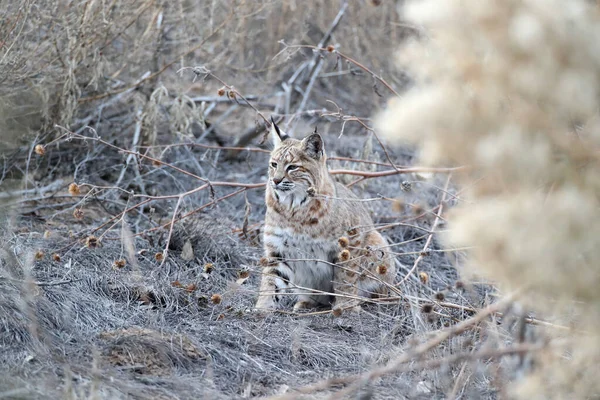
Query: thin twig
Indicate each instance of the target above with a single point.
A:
(430, 237)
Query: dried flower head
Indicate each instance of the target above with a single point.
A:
(343, 242)
(56, 257)
(176, 284)
(39, 150)
(74, 189)
(39, 255)
(417, 209)
(311, 191)
(159, 256)
(352, 232)
(243, 274)
(120, 263)
(398, 205)
(192, 287)
(427, 308)
(344, 255)
(221, 91)
(331, 48)
(440, 296)
(381, 269)
(78, 213)
(216, 298)
(208, 268)
(423, 277)
(92, 242)
(337, 312)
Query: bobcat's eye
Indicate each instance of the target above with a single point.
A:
(292, 167)
(274, 165)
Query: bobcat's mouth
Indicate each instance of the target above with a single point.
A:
(283, 187)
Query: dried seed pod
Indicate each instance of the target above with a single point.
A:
(92, 242)
(74, 189)
(191, 288)
(344, 255)
(39, 150)
(343, 242)
(216, 298)
(398, 205)
(78, 213)
(427, 308)
(208, 268)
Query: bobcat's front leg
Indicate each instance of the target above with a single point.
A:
(274, 279)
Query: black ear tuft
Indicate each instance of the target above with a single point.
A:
(313, 146)
(281, 135)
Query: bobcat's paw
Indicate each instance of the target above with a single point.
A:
(303, 305)
(264, 305)
(348, 308)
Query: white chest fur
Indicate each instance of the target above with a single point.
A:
(309, 259)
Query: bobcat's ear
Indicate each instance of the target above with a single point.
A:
(313, 146)
(277, 136)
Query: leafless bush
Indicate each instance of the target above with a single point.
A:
(511, 89)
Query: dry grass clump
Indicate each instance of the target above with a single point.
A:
(512, 90)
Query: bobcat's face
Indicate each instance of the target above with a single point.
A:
(296, 165)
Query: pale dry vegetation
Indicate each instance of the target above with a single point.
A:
(133, 168)
(512, 90)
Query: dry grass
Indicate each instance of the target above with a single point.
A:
(132, 210)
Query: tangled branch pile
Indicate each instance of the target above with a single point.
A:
(512, 89)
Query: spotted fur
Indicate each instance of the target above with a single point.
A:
(307, 214)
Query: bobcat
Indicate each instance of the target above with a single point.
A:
(318, 235)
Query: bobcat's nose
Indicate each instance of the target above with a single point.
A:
(277, 181)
